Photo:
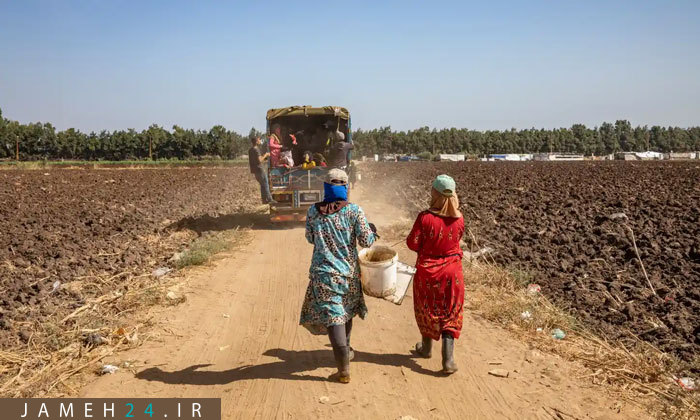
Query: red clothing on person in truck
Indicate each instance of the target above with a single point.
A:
(275, 146)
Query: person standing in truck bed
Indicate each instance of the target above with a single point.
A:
(275, 145)
(319, 141)
(338, 156)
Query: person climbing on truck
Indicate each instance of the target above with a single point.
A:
(258, 167)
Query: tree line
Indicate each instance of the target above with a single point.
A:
(36, 141)
(603, 140)
(42, 141)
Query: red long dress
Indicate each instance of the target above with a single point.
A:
(438, 285)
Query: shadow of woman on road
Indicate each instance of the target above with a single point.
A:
(291, 366)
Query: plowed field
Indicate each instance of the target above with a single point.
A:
(60, 226)
(580, 229)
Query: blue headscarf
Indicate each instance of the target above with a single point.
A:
(333, 192)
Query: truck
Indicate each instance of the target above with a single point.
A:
(295, 189)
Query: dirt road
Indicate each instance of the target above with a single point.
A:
(237, 337)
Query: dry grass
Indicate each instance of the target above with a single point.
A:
(63, 345)
(642, 374)
(205, 247)
(73, 340)
(30, 165)
(397, 230)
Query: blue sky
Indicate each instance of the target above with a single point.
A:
(483, 65)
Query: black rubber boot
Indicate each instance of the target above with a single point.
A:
(425, 347)
(342, 360)
(448, 348)
(341, 352)
(348, 330)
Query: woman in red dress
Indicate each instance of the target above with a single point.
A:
(438, 285)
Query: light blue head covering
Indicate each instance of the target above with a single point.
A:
(445, 185)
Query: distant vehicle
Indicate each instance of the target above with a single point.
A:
(296, 189)
(410, 158)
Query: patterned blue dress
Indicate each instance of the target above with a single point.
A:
(334, 295)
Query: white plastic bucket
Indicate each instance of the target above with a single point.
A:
(378, 270)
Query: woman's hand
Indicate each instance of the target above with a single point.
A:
(374, 230)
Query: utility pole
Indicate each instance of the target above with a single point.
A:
(16, 148)
(150, 148)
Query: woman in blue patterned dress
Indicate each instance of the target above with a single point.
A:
(334, 295)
